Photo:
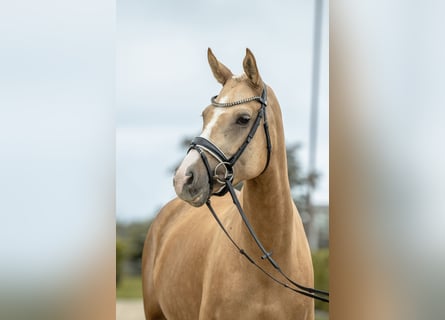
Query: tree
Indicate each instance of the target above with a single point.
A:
(119, 259)
(299, 180)
(129, 245)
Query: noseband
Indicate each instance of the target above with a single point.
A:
(202, 144)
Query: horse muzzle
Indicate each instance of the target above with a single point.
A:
(191, 180)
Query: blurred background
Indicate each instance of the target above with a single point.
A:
(163, 82)
(57, 226)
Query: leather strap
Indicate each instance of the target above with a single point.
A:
(200, 143)
(309, 292)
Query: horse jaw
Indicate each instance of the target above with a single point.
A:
(191, 180)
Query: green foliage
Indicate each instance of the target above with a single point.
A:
(129, 288)
(131, 237)
(321, 316)
(320, 260)
(119, 260)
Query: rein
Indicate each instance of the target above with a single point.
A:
(201, 144)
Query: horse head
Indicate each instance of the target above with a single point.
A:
(237, 110)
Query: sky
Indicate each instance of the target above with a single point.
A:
(163, 82)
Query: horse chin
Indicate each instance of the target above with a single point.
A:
(199, 200)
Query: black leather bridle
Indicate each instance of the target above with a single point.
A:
(201, 145)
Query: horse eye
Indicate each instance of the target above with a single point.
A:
(243, 120)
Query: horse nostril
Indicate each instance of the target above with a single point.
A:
(190, 176)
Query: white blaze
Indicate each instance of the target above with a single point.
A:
(211, 124)
(180, 177)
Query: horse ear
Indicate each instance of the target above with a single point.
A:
(220, 71)
(250, 68)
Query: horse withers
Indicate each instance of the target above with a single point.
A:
(190, 268)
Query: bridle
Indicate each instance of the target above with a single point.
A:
(201, 144)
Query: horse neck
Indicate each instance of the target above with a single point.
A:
(267, 200)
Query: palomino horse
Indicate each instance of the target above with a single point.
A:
(190, 268)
